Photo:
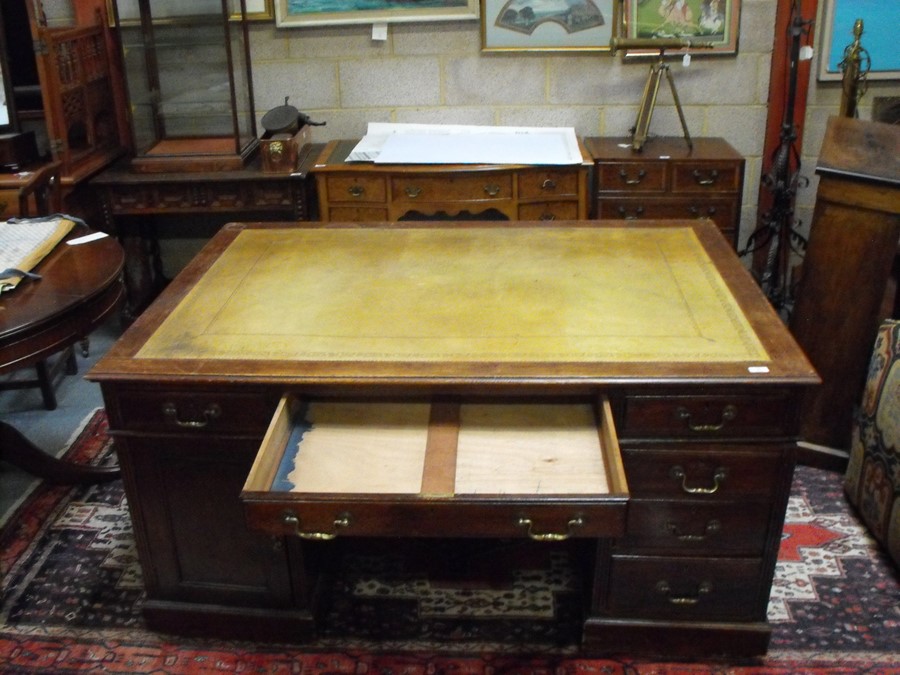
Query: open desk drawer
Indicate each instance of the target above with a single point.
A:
(548, 471)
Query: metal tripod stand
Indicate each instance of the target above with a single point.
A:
(641, 129)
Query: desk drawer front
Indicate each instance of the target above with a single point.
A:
(709, 474)
(632, 177)
(696, 527)
(547, 184)
(720, 211)
(464, 188)
(689, 589)
(703, 417)
(194, 412)
(706, 177)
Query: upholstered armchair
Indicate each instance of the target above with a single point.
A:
(872, 481)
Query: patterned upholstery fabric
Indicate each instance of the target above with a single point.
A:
(872, 481)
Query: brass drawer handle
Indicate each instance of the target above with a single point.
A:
(412, 191)
(548, 216)
(575, 522)
(710, 178)
(712, 527)
(641, 174)
(729, 413)
(291, 520)
(633, 215)
(704, 588)
(698, 213)
(492, 190)
(679, 474)
(170, 413)
(356, 191)
(548, 184)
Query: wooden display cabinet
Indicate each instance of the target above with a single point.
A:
(187, 68)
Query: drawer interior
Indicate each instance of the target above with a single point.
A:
(439, 448)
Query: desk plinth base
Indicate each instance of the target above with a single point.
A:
(674, 639)
(225, 622)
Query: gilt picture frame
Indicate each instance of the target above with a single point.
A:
(708, 21)
(257, 10)
(879, 38)
(298, 13)
(547, 25)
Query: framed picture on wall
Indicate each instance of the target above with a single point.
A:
(710, 21)
(326, 12)
(881, 20)
(547, 25)
(257, 10)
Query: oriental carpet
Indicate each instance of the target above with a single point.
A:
(71, 593)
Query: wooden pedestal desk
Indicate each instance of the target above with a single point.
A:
(667, 179)
(623, 385)
(366, 192)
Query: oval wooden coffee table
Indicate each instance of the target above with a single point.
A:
(81, 286)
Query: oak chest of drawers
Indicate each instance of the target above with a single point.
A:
(667, 179)
(363, 191)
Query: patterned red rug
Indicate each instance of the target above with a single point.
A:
(71, 596)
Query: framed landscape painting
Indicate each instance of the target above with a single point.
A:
(547, 25)
(325, 12)
(710, 21)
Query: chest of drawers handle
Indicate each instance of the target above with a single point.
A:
(633, 215)
(412, 191)
(292, 522)
(678, 473)
(548, 184)
(703, 588)
(632, 181)
(573, 523)
(356, 191)
(729, 413)
(709, 178)
(492, 190)
(712, 527)
(171, 415)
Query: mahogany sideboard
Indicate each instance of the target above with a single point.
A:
(365, 191)
(660, 352)
(667, 179)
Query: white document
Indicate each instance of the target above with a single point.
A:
(463, 144)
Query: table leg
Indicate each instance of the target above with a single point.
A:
(19, 451)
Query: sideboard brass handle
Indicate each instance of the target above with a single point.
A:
(679, 474)
(703, 588)
(548, 184)
(492, 190)
(729, 413)
(709, 179)
(698, 213)
(356, 191)
(412, 191)
(712, 527)
(548, 216)
(290, 519)
(573, 523)
(170, 413)
(632, 181)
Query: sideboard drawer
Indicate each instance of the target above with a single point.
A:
(720, 211)
(552, 210)
(709, 473)
(193, 412)
(685, 589)
(548, 184)
(356, 188)
(465, 188)
(417, 469)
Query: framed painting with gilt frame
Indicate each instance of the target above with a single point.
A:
(708, 21)
(291, 13)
